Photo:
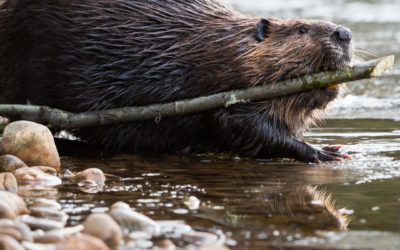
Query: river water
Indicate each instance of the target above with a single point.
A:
(259, 204)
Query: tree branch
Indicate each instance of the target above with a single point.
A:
(66, 120)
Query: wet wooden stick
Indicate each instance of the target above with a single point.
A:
(65, 120)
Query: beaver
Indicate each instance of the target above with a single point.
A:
(85, 55)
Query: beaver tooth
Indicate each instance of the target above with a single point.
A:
(333, 87)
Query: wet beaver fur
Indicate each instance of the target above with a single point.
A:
(81, 55)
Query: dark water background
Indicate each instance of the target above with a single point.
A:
(234, 192)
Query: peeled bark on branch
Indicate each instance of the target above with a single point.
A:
(65, 120)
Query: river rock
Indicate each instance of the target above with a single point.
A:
(8, 183)
(200, 238)
(6, 211)
(33, 175)
(32, 143)
(165, 244)
(18, 231)
(213, 246)
(50, 237)
(192, 202)
(49, 213)
(40, 223)
(9, 243)
(45, 203)
(47, 170)
(11, 205)
(83, 242)
(10, 163)
(103, 227)
(91, 176)
(130, 220)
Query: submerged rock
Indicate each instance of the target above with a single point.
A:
(32, 143)
(33, 175)
(130, 220)
(8, 183)
(90, 177)
(10, 163)
(103, 227)
(83, 242)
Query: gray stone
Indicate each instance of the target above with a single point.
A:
(10, 163)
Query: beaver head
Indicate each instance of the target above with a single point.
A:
(292, 48)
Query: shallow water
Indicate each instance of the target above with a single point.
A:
(253, 202)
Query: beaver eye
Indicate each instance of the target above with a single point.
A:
(302, 30)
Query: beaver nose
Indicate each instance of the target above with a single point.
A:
(343, 34)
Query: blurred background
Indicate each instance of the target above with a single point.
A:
(376, 30)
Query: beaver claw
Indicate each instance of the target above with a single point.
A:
(329, 153)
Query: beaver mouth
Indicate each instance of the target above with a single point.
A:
(333, 64)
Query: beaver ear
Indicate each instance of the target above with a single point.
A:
(262, 30)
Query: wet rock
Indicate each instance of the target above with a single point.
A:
(8, 183)
(174, 227)
(84, 242)
(32, 175)
(138, 235)
(6, 212)
(200, 238)
(65, 173)
(165, 245)
(11, 231)
(37, 190)
(192, 202)
(90, 177)
(120, 204)
(18, 231)
(42, 224)
(103, 227)
(213, 246)
(45, 203)
(10, 163)
(9, 243)
(11, 205)
(133, 221)
(49, 213)
(90, 189)
(36, 246)
(50, 237)
(47, 170)
(32, 143)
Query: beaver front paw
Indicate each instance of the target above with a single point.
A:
(330, 153)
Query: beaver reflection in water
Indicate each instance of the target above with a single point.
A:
(100, 54)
